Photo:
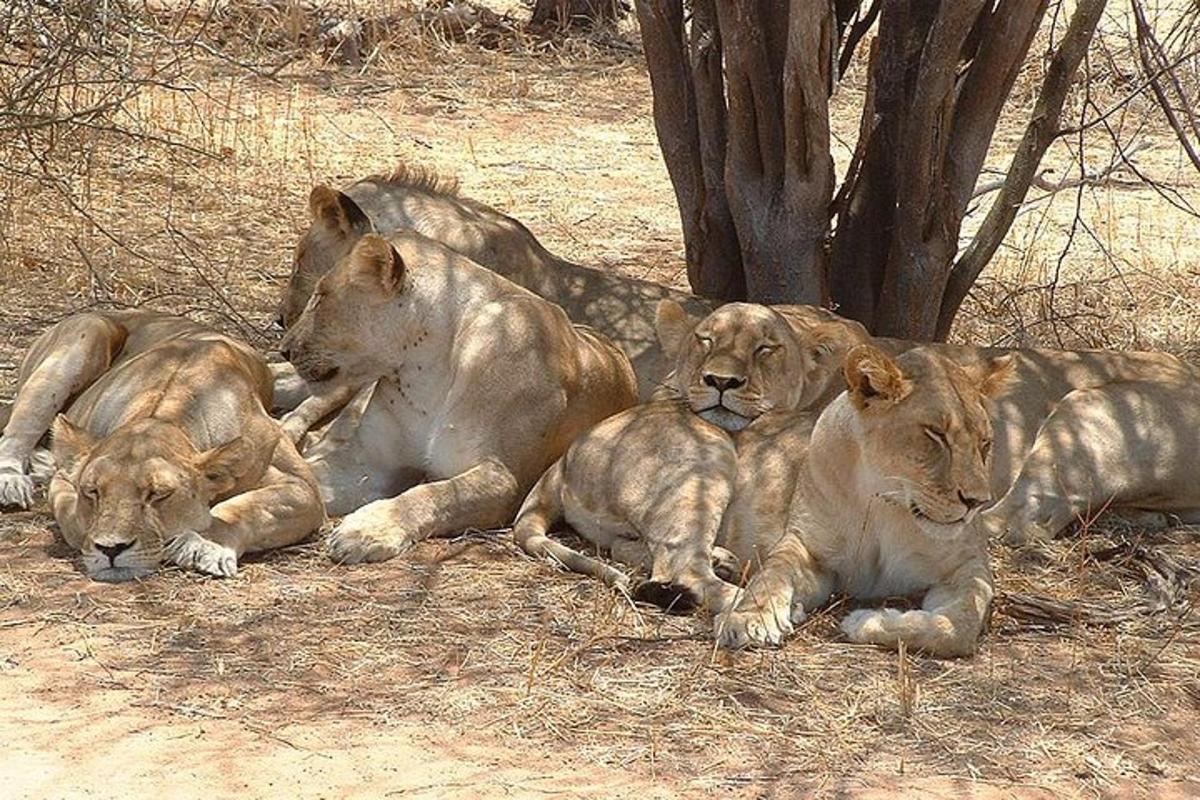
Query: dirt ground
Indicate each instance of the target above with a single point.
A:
(464, 669)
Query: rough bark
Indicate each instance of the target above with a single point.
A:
(748, 146)
(689, 116)
(779, 171)
(939, 79)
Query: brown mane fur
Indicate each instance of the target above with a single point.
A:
(420, 178)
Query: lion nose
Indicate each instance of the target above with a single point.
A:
(114, 550)
(723, 383)
(971, 503)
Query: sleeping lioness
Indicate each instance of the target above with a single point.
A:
(701, 471)
(886, 492)
(164, 450)
(477, 386)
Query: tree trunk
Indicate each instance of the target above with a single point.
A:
(689, 115)
(1040, 132)
(748, 148)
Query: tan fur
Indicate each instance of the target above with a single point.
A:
(1074, 435)
(1047, 469)
(698, 472)
(619, 307)
(885, 496)
(1129, 446)
(475, 386)
(165, 449)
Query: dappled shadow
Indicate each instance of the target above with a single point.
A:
(469, 633)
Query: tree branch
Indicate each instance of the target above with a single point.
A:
(1154, 62)
(1041, 130)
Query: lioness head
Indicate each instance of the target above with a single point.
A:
(337, 224)
(137, 489)
(924, 431)
(744, 360)
(355, 314)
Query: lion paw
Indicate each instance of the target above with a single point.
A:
(16, 487)
(727, 565)
(756, 626)
(365, 535)
(870, 625)
(192, 551)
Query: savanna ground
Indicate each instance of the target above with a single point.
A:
(464, 668)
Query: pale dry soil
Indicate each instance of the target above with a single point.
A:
(463, 669)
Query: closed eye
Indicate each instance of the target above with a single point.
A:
(158, 495)
(938, 436)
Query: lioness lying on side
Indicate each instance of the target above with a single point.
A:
(704, 468)
(620, 307)
(886, 491)
(164, 451)
(1132, 446)
(479, 385)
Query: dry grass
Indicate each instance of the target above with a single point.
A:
(472, 635)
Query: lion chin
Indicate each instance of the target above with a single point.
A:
(724, 418)
(119, 574)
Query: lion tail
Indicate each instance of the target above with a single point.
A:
(540, 511)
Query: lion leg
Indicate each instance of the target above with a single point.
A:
(726, 564)
(788, 585)
(948, 625)
(284, 510)
(313, 409)
(1109, 446)
(481, 497)
(62, 362)
(680, 536)
(541, 509)
(290, 390)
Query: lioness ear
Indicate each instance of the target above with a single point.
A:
(69, 441)
(375, 259)
(673, 325)
(997, 375)
(830, 340)
(222, 466)
(337, 211)
(874, 378)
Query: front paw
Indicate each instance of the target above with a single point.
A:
(16, 487)
(366, 535)
(754, 625)
(727, 565)
(871, 625)
(193, 551)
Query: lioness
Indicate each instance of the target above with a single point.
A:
(703, 468)
(1129, 445)
(479, 386)
(620, 307)
(887, 488)
(165, 449)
